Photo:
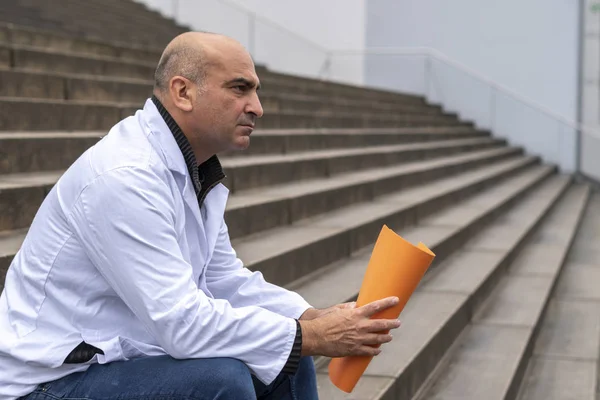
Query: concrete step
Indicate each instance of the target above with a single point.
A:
(284, 141)
(46, 85)
(565, 359)
(254, 211)
(286, 254)
(59, 41)
(306, 84)
(458, 281)
(51, 115)
(45, 151)
(301, 238)
(91, 18)
(251, 172)
(24, 192)
(25, 152)
(489, 358)
(21, 196)
(43, 51)
(39, 59)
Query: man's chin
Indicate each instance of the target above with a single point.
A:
(241, 143)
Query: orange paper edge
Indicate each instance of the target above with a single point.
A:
(395, 269)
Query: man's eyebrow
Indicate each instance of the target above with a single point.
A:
(245, 82)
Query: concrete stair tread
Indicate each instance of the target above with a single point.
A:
(78, 55)
(268, 133)
(88, 77)
(421, 232)
(267, 96)
(63, 101)
(362, 131)
(295, 189)
(50, 135)
(566, 353)
(371, 150)
(283, 113)
(12, 181)
(280, 240)
(435, 312)
(255, 211)
(66, 36)
(488, 359)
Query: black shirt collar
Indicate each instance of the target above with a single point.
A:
(204, 176)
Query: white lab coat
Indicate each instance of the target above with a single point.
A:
(120, 256)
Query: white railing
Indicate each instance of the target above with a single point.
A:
(422, 71)
(491, 105)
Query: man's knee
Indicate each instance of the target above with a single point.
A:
(219, 378)
(232, 378)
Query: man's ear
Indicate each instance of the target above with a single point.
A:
(180, 90)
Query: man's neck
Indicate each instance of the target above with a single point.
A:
(202, 151)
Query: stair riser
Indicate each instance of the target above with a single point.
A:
(4, 264)
(299, 142)
(48, 116)
(300, 85)
(249, 177)
(137, 64)
(19, 206)
(24, 202)
(25, 37)
(24, 84)
(280, 121)
(18, 155)
(252, 219)
(286, 268)
(61, 63)
(5, 57)
(31, 37)
(25, 116)
(50, 153)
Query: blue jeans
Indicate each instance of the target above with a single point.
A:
(166, 378)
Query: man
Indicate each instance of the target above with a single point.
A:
(127, 285)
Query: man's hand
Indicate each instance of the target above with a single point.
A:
(348, 331)
(313, 313)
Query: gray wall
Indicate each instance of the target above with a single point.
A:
(529, 46)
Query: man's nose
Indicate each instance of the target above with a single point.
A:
(254, 106)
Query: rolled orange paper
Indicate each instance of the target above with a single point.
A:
(395, 269)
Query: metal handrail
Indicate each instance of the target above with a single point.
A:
(438, 55)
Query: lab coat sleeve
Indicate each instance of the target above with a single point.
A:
(125, 220)
(227, 278)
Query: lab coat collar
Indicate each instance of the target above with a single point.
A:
(160, 136)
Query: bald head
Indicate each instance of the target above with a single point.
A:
(191, 54)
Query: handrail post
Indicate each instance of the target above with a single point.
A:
(252, 34)
(492, 108)
(559, 145)
(578, 150)
(427, 76)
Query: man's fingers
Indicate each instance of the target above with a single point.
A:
(366, 351)
(377, 338)
(378, 305)
(381, 325)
